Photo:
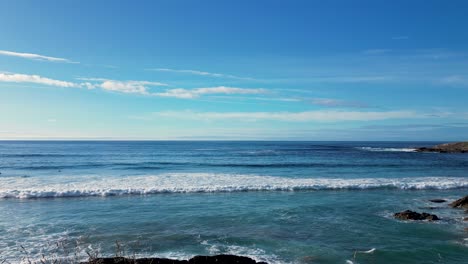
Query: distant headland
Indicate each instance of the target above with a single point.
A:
(458, 147)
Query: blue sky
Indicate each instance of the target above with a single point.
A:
(214, 70)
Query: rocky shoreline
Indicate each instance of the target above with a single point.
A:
(458, 147)
(218, 259)
(461, 203)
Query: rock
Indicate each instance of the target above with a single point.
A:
(459, 147)
(465, 218)
(218, 259)
(460, 203)
(410, 215)
(429, 208)
(120, 260)
(222, 259)
(437, 200)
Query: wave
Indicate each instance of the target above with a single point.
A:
(84, 186)
(160, 165)
(40, 155)
(388, 149)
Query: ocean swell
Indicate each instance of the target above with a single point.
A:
(67, 186)
(387, 149)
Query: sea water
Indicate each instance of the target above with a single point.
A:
(279, 202)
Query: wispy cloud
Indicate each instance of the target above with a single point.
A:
(131, 86)
(195, 93)
(33, 56)
(25, 78)
(328, 102)
(307, 116)
(201, 73)
(138, 87)
(354, 79)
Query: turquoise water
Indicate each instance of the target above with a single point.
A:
(280, 202)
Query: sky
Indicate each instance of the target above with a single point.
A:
(234, 70)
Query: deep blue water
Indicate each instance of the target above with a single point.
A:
(282, 202)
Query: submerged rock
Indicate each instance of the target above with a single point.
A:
(460, 203)
(218, 259)
(410, 215)
(459, 147)
(438, 200)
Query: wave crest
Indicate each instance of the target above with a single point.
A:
(388, 149)
(68, 186)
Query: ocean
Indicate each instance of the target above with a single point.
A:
(279, 202)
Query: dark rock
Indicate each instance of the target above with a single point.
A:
(438, 200)
(460, 203)
(218, 259)
(430, 208)
(120, 260)
(459, 147)
(410, 215)
(221, 259)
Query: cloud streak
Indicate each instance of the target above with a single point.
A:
(32, 56)
(201, 73)
(328, 102)
(195, 93)
(130, 87)
(306, 116)
(25, 78)
(138, 87)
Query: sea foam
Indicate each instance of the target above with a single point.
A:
(82, 186)
(388, 149)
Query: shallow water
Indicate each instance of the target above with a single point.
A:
(281, 202)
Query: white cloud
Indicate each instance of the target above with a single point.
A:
(354, 79)
(337, 103)
(306, 116)
(136, 87)
(25, 78)
(140, 87)
(201, 73)
(32, 56)
(194, 93)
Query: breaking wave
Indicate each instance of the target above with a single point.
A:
(68, 186)
(388, 149)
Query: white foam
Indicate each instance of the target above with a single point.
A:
(81, 186)
(367, 251)
(388, 149)
(257, 254)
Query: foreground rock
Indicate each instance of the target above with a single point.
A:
(459, 147)
(410, 215)
(437, 201)
(460, 203)
(218, 259)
